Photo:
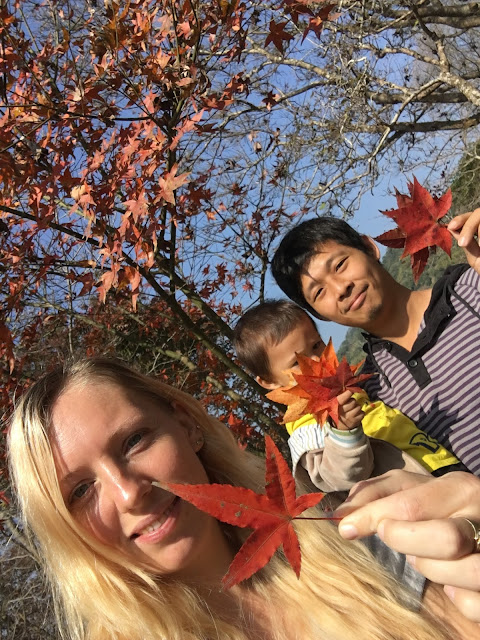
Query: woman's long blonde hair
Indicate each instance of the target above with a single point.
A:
(342, 594)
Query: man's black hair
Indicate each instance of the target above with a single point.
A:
(301, 244)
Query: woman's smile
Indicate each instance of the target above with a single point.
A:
(115, 452)
(156, 528)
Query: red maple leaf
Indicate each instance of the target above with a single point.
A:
(318, 385)
(278, 35)
(270, 515)
(418, 231)
(315, 24)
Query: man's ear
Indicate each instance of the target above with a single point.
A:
(371, 246)
(194, 431)
(267, 385)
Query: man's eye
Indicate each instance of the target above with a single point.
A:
(318, 293)
(340, 264)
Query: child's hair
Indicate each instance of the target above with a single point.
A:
(342, 593)
(301, 244)
(263, 326)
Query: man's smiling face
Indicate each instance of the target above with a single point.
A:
(346, 285)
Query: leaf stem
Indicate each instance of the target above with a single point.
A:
(326, 518)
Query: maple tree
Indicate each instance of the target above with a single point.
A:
(419, 231)
(161, 146)
(103, 189)
(318, 385)
(157, 150)
(387, 86)
(270, 515)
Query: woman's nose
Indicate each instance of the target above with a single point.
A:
(128, 490)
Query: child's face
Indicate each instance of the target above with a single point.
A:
(304, 339)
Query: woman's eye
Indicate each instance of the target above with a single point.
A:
(318, 293)
(340, 264)
(132, 441)
(79, 491)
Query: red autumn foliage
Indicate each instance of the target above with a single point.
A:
(116, 186)
(318, 385)
(419, 231)
(270, 515)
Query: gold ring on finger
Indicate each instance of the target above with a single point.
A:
(476, 535)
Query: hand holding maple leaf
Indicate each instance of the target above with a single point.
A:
(350, 413)
(465, 228)
(270, 515)
(419, 231)
(318, 386)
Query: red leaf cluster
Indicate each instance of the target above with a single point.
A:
(418, 230)
(318, 386)
(269, 515)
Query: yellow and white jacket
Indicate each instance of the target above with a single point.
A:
(387, 439)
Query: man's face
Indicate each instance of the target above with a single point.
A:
(304, 339)
(346, 285)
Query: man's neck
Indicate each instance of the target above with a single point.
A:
(401, 321)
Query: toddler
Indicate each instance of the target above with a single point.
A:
(370, 437)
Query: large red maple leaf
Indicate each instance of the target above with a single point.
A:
(318, 385)
(418, 231)
(270, 515)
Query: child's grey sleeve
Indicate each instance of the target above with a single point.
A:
(335, 460)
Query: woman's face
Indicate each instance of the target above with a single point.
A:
(108, 447)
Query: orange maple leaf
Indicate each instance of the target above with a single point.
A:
(317, 386)
(170, 182)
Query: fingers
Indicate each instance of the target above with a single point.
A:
(351, 419)
(368, 500)
(446, 539)
(344, 397)
(467, 601)
(400, 495)
(458, 221)
(424, 517)
(464, 228)
(462, 573)
(350, 414)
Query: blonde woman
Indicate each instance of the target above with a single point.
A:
(128, 560)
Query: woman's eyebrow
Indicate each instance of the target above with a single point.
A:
(132, 423)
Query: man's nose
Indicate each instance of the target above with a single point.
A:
(341, 287)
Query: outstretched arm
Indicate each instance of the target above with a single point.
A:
(425, 518)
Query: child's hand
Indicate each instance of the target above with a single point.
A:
(350, 414)
(464, 228)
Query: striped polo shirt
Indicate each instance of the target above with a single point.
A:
(436, 384)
